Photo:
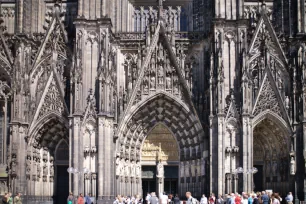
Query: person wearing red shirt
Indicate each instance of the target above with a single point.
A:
(81, 199)
(237, 199)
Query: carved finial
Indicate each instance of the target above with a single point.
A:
(160, 8)
(263, 4)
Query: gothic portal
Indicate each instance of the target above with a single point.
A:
(136, 96)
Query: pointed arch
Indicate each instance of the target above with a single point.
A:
(168, 137)
(62, 151)
(159, 108)
(274, 117)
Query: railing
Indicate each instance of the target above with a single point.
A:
(131, 36)
(193, 36)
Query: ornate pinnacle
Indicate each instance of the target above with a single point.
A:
(160, 8)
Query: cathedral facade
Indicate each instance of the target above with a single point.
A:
(131, 96)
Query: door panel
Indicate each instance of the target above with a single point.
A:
(62, 184)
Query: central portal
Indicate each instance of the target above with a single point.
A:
(160, 160)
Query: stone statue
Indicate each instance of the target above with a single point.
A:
(121, 167)
(182, 169)
(287, 102)
(51, 170)
(168, 82)
(133, 173)
(138, 173)
(117, 166)
(152, 84)
(45, 170)
(160, 170)
(28, 166)
(292, 166)
(160, 75)
(126, 168)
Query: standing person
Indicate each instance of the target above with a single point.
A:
(17, 199)
(5, 198)
(163, 198)
(274, 200)
(148, 197)
(212, 198)
(220, 199)
(81, 199)
(203, 199)
(237, 199)
(264, 198)
(87, 199)
(9, 198)
(153, 199)
(177, 199)
(190, 199)
(70, 198)
(289, 198)
(255, 199)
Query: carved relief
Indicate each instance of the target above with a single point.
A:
(267, 100)
(160, 135)
(52, 101)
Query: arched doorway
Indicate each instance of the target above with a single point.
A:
(47, 161)
(62, 177)
(271, 157)
(160, 146)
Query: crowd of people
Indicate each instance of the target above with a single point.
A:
(233, 198)
(151, 198)
(248, 198)
(8, 199)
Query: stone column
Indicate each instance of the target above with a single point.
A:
(106, 170)
(76, 154)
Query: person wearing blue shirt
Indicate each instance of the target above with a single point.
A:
(87, 199)
(265, 198)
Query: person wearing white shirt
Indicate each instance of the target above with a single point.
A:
(163, 198)
(203, 199)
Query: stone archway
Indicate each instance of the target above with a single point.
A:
(187, 130)
(271, 156)
(47, 144)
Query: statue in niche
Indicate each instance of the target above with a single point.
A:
(124, 99)
(45, 170)
(175, 84)
(117, 166)
(182, 169)
(168, 82)
(126, 168)
(121, 167)
(187, 169)
(138, 173)
(146, 84)
(160, 170)
(28, 166)
(160, 75)
(292, 166)
(51, 170)
(38, 170)
(133, 173)
(152, 84)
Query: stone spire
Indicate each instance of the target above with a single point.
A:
(160, 9)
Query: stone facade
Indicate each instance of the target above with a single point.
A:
(83, 83)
